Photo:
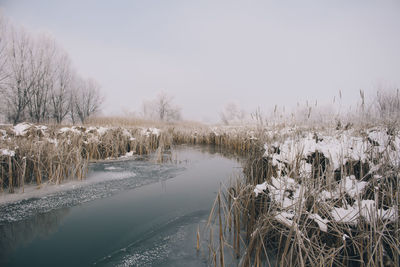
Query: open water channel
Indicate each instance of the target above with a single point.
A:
(126, 213)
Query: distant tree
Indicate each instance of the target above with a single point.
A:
(232, 114)
(60, 95)
(44, 58)
(161, 108)
(37, 82)
(22, 74)
(3, 49)
(86, 99)
(388, 103)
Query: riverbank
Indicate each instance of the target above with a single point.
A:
(33, 154)
(332, 192)
(126, 213)
(325, 197)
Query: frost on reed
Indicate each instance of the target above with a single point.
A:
(316, 198)
(34, 153)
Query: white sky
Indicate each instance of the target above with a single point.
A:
(208, 53)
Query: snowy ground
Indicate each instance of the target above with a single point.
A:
(346, 197)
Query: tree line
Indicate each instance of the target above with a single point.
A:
(38, 82)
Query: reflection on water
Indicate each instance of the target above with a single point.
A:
(23, 232)
(143, 214)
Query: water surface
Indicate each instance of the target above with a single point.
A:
(128, 213)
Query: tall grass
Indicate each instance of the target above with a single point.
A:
(263, 232)
(53, 154)
(256, 228)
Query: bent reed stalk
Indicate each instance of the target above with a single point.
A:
(34, 154)
(265, 231)
(255, 227)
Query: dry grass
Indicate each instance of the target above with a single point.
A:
(252, 227)
(263, 232)
(53, 154)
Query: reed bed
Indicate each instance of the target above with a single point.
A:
(323, 196)
(309, 198)
(33, 154)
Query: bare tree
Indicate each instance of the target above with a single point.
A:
(388, 103)
(161, 108)
(22, 74)
(44, 53)
(86, 100)
(37, 81)
(3, 49)
(60, 94)
(232, 113)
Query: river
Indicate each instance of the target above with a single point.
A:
(126, 213)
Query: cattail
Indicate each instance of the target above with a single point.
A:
(198, 238)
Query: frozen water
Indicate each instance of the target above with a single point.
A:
(101, 182)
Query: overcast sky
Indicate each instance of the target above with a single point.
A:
(208, 53)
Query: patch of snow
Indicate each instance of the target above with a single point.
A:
(110, 168)
(280, 189)
(126, 133)
(7, 152)
(102, 130)
(53, 141)
(349, 215)
(21, 128)
(366, 209)
(260, 188)
(285, 218)
(70, 129)
(127, 155)
(352, 186)
(371, 213)
(151, 131)
(324, 195)
(322, 223)
(3, 134)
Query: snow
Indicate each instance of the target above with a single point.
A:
(260, 188)
(52, 141)
(110, 168)
(126, 133)
(7, 152)
(352, 186)
(69, 129)
(338, 148)
(285, 218)
(325, 195)
(366, 209)
(100, 130)
(322, 223)
(151, 131)
(3, 134)
(349, 215)
(127, 155)
(371, 213)
(21, 128)
(280, 189)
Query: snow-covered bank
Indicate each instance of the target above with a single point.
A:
(36, 154)
(320, 196)
(341, 157)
